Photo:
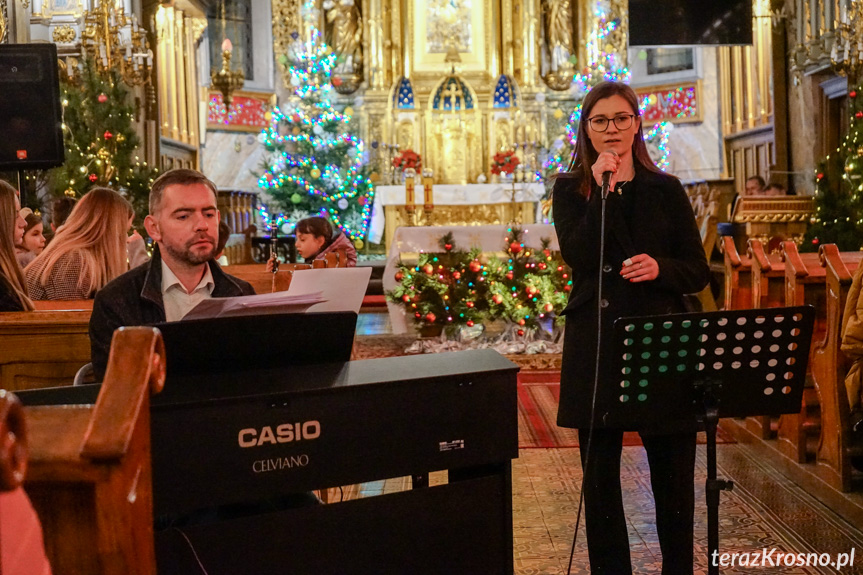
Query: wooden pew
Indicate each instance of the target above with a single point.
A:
(738, 276)
(63, 305)
(768, 276)
(833, 459)
(42, 348)
(805, 283)
(89, 475)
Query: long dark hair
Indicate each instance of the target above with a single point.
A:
(584, 155)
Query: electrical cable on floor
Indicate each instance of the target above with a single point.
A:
(195, 553)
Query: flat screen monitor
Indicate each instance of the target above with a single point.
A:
(690, 22)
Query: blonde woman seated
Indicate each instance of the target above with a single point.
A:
(13, 295)
(87, 252)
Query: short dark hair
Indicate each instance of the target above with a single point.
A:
(224, 234)
(179, 176)
(758, 179)
(60, 210)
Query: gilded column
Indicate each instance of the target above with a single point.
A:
(376, 71)
(508, 9)
(530, 35)
(179, 98)
(286, 20)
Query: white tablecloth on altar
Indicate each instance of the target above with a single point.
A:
(449, 195)
(426, 238)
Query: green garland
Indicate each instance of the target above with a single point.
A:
(454, 288)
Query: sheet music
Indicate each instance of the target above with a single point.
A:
(314, 290)
(268, 303)
(342, 289)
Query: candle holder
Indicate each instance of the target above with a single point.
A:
(116, 42)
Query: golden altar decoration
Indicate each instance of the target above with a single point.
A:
(454, 80)
(774, 216)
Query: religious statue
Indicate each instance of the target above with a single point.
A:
(559, 44)
(345, 36)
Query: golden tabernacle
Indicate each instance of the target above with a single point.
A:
(766, 218)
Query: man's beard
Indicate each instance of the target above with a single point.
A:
(187, 256)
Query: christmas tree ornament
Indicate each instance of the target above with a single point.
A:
(359, 243)
(296, 198)
(349, 111)
(102, 98)
(343, 204)
(108, 135)
(92, 177)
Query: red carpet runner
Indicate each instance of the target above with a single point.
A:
(538, 394)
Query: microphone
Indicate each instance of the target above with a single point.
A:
(606, 176)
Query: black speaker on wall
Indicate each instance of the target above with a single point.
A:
(31, 136)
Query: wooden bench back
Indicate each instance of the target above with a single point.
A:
(768, 276)
(738, 280)
(42, 348)
(829, 369)
(89, 472)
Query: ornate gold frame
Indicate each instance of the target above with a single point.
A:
(268, 96)
(699, 95)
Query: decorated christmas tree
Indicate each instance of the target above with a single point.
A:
(315, 166)
(530, 287)
(100, 141)
(839, 188)
(445, 289)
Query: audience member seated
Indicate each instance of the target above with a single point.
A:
(775, 189)
(184, 223)
(852, 347)
(60, 210)
(754, 186)
(315, 239)
(33, 242)
(87, 252)
(13, 295)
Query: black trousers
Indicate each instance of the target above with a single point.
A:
(672, 479)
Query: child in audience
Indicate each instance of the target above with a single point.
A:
(315, 239)
(60, 210)
(87, 252)
(33, 242)
(13, 294)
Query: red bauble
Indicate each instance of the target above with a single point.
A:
(469, 323)
(92, 177)
(469, 304)
(521, 322)
(509, 276)
(858, 115)
(428, 269)
(475, 266)
(108, 135)
(430, 317)
(819, 175)
(447, 247)
(521, 332)
(103, 98)
(853, 93)
(399, 276)
(815, 241)
(549, 308)
(418, 314)
(406, 298)
(531, 290)
(515, 247)
(456, 275)
(497, 298)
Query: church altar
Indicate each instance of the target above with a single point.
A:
(454, 205)
(410, 241)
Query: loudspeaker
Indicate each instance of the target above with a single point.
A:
(31, 136)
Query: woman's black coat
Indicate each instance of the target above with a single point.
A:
(651, 215)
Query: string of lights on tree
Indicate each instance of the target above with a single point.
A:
(838, 215)
(315, 166)
(603, 64)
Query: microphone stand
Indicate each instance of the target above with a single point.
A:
(599, 307)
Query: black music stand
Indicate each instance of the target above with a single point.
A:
(703, 366)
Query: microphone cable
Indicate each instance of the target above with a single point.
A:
(599, 308)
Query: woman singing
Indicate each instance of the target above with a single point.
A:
(653, 256)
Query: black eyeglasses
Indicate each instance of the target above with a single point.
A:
(621, 121)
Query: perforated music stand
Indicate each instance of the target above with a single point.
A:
(703, 366)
